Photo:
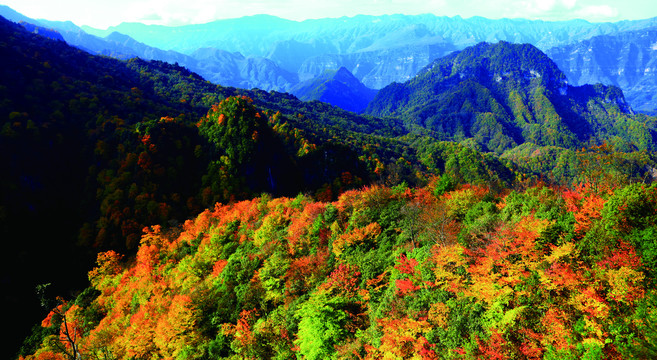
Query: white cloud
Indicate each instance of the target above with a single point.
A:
(569, 4)
(555, 10)
(176, 12)
(598, 12)
(544, 5)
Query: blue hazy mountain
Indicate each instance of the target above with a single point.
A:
(291, 54)
(626, 59)
(218, 66)
(29, 24)
(234, 69)
(45, 32)
(378, 68)
(13, 15)
(337, 87)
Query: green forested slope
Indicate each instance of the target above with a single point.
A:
(393, 273)
(503, 95)
(93, 149)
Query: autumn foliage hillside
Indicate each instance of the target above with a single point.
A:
(93, 150)
(394, 273)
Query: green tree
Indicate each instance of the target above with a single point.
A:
(321, 326)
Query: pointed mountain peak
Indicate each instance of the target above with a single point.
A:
(337, 87)
(344, 75)
(117, 36)
(343, 70)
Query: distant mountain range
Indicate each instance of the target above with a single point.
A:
(626, 59)
(260, 35)
(270, 53)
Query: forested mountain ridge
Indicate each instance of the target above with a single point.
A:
(105, 107)
(502, 95)
(94, 149)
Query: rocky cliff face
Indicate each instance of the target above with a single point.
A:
(234, 69)
(290, 54)
(258, 35)
(378, 68)
(125, 47)
(626, 59)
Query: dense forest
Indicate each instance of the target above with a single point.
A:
(322, 233)
(395, 273)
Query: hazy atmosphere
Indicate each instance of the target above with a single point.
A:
(101, 14)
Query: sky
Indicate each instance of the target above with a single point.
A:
(103, 13)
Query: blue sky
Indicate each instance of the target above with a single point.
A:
(104, 13)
